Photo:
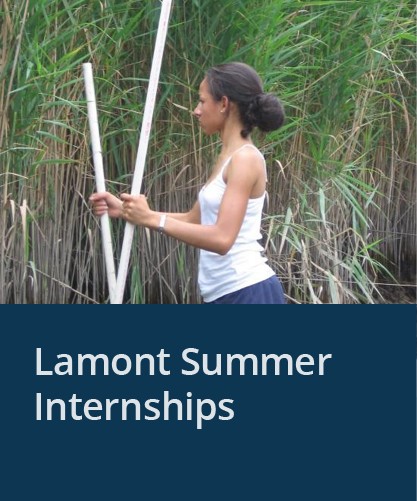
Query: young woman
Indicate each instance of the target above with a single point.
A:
(225, 221)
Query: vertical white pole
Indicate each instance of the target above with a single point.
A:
(143, 142)
(99, 175)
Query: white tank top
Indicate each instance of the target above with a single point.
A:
(245, 263)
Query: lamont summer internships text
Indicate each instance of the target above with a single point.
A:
(165, 406)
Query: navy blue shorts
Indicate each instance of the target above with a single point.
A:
(267, 292)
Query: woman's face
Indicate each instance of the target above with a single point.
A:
(209, 112)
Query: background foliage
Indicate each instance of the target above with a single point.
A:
(341, 220)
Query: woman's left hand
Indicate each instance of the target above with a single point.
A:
(135, 209)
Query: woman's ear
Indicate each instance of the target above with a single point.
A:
(225, 102)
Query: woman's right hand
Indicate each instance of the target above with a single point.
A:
(105, 202)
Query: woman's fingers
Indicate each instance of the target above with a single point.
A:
(100, 208)
(103, 203)
(125, 197)
(97, 197)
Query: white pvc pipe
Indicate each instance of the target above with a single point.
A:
(99, 176)
(143, 142)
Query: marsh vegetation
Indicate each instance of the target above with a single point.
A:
(340, 225)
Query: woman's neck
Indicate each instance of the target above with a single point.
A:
(232, 139)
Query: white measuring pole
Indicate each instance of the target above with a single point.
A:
(143, 142)
(99, 175)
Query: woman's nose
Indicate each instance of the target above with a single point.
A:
(197, 110)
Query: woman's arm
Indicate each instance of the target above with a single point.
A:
(107, 203)
(242, 175)
(193, 216)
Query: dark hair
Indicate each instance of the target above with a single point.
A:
(243, 86)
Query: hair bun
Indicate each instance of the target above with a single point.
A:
(264, 111)
(267, 112)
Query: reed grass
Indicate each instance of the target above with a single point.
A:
(341, 219)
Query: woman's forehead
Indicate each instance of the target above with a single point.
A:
(204, 88)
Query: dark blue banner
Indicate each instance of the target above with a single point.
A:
(195, 403)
